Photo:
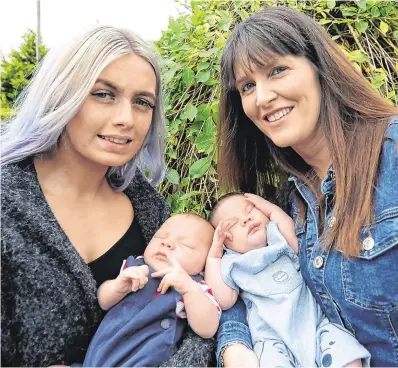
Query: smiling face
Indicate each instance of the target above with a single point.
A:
(187, 238)
(250, 229)
(112, 123)
(283, 100)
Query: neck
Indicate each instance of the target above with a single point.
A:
(65, 173)
(317, 155)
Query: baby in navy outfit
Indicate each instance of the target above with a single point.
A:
(153, 297)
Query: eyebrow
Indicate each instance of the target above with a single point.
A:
(268, 66)
(117, 89)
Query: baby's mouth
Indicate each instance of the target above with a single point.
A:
(161, 255)
(253, 228)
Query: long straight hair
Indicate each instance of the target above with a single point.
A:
(58, 90)
(353, 115)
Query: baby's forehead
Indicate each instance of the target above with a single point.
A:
(183, 221)
(237, 201)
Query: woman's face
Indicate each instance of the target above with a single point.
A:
(283, 100)
(112, 123)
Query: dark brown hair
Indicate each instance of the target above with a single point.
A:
(353, 115)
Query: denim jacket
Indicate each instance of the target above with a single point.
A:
(359, 293)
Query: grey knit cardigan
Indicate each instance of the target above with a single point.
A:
(49, 308)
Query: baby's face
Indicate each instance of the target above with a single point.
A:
(186, 238)
(250, 224)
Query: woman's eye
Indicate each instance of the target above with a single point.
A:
(278, 70)
(103, 95)
(145, 103)
(247, 87)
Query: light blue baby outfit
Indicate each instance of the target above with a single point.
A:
(287, 326)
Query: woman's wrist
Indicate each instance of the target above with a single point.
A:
(237, 354)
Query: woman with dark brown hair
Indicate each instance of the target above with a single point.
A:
(300, 126)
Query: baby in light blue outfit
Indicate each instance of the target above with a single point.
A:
(287, 326)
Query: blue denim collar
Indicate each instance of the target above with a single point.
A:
(328, 183)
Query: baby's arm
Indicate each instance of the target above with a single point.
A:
(276, 214)
(226, 296)
(130, 279)
(202, 313)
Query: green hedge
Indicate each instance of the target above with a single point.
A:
(367, 32)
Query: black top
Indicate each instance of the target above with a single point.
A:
(108, 265)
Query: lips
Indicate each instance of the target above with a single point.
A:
(116, 140)
(253, 228)
(161, 255)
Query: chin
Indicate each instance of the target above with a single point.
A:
(112, 161)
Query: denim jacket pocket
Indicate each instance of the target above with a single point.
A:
(370, 281)
(381, 235)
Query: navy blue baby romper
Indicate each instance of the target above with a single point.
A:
(141, 330)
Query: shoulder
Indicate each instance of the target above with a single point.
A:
(386, 193)
(18, 182)
(392, 130)
(17, 174)
(389, 152)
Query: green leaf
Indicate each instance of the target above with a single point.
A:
(395, 34)
(208, 53)
(357, 56)
(172, 176)
(225, 23)
(324, 21)
(189, 195)
(383, 27)
(361, 26)
(362, 4)
(203, 112)
(168, 76)
(331, 4)
(211, 82)
(203, 76)
(188, 76)
(375, 12)
(172, 154)
(202, 66)
(184, 182)
(205, 141)
(189, 112)
(347, 12)
(379, 79)
(200, 167)
(389, 8)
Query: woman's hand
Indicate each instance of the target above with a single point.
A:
(277, 215)
(238, 355)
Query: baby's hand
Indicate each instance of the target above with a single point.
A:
(220, 234)
(176, 277)
(131, 279)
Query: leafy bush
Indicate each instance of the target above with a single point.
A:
(367, 32)
(17, 72)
